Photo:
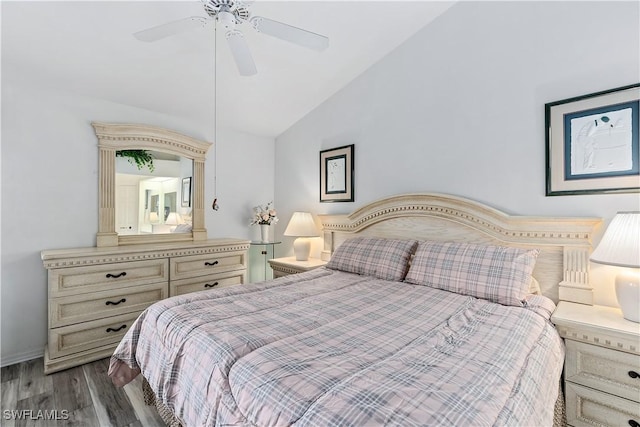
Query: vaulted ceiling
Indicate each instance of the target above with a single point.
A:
(87, 47)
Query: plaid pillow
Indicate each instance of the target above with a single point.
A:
(495, 273)
(386, 259)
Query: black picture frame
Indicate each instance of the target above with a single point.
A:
(592, 143)
(185, 201)
(337, 174)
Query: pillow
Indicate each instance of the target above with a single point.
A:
(182, 228)
(496, 273)
(534, 287)
(386, 259)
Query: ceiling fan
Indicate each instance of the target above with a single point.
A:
(231, 13)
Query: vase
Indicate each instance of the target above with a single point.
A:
(264, 232)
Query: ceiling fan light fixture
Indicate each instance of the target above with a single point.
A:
(227, 20)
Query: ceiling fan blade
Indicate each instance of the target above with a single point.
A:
(289, 33)
(170, 28)
(241, 53)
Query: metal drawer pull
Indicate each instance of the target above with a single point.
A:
(633, 374)
(115, 276)
(115, 303)
(207, 285)
(210, 263)
(117, 329)
(634, 423)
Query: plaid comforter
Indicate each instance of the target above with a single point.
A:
(328, 348)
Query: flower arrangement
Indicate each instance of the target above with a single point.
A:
(264, 215)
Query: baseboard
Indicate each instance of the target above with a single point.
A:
(21, 357)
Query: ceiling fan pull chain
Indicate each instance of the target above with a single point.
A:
(215, 205)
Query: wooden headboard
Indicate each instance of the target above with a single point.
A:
(562, 268)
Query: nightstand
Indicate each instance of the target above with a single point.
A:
(602, 365)
(289, 265)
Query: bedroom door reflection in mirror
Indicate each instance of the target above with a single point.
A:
(147, 195)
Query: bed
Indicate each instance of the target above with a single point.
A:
(432, 310)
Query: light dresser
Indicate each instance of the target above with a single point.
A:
(602, 365)
(96, 293)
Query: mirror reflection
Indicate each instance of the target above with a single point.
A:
(153, 193)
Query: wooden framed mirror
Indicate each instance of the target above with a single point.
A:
(114, 138)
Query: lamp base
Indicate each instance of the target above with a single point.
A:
(302, 248)
(628, 294)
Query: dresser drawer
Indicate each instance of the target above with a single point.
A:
(75, 280)
(85, 336)
(202, 265)
(608, 370)
(215, 281)
(97, 305)
(589, 407)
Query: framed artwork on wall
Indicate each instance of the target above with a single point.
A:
(186, 192)
(592, 143)
(336, 174)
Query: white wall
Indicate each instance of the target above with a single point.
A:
(459, 108)
(245, 178)
(50, 183)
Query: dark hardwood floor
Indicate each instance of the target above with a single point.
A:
(81, 396)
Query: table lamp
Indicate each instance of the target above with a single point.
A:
(173, 218)
(301, 226)
(620, 247)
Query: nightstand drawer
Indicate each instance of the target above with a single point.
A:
(204, 283)
(588, 407)
(75, 280)
(85, 307)
(85, 336)
(608, 370)
(202, 265)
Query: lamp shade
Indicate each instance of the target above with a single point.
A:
(173, 219)
(153, 217)
(620, 245)
(301, 225)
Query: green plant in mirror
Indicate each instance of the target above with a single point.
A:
(140, 158)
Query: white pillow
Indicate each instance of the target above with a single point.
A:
(534, 287)
(182, 228)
